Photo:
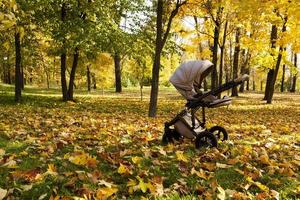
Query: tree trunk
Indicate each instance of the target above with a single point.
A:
(253, 82)
(18, 75)
(222, 56)
(48, 79)
(22, 77)
(261, 86)
(294, 79)
(63, 61)
(9, 81)
(214, 73)
(271, 71)
(205, 85)
(72, 75)
(245, 68)
(156, 63)
(234, 92)
(273, 80)
(118, 81)
(248, 82)
(279, 58)
(282, 79)
(268, 82)
(88, 76)
(94, 81)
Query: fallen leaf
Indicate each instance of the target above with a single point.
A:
(10, 164)
(264, 159)
(221, 193)
(104, 193)
(200, 173)
(181, 156)
(222, 166)
(123, 169)
(3, 193)
(43, 196)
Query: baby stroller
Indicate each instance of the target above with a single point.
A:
(186, 123)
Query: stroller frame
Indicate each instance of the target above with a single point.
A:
(193, 106)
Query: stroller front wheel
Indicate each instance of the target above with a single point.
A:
(206, 139)
(219, 132)
(170, 135)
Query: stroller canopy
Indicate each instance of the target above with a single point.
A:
(190, 73)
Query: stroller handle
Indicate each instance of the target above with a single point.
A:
(243, 78)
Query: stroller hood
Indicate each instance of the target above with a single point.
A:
(189, 73)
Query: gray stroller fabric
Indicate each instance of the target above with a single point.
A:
(188, 74)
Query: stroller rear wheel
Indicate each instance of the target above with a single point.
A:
(219, 132)
(206, 139)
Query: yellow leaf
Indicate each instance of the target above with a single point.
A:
(82, 158)
(151, 188)
(104, 193)
(264, 159)
(123, 169)
(136, 159)
(52, 169)
(181, 156)
(131, 183)
(261, 186)
(143, 186)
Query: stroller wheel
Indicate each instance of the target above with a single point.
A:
(169, 135)
(206, 139)
(219, 132)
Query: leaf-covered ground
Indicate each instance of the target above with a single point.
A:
(105, 146)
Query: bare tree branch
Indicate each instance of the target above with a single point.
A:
(173, 14)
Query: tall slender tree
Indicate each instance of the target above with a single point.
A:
(161, 38)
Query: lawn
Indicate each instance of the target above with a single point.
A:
(104, 146)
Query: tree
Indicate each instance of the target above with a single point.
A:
(294, 77)
(236, 60)
(161, 38)
(276, 69)
(77, 31)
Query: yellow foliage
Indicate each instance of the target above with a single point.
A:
(82, 158)
(181, 156)
(106, 192)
